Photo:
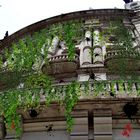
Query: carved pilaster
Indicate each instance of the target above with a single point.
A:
(80, 128)
(102, 122)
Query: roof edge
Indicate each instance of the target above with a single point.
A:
(37, 26)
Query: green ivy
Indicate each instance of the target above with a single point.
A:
(9, 104)
(70, 100)
(72, 30)
(123, 42)
(24, 53)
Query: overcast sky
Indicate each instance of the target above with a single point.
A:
(16, 14)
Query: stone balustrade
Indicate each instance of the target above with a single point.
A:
(121, 53)
(61, 58)
(114, 89)
(105, 89)
(129, 58)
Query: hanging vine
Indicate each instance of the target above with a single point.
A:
(17, 68)
(70, 100)
(126, 57)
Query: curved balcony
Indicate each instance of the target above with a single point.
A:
(131, 59)
(61, 65)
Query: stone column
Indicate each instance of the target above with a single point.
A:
(97, 52)
(136, 22)
(80, 127)
(85, 49)
(53, 48)
(87, 55)
(102, 122)
(96, 38)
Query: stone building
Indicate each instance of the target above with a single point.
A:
(112, 114)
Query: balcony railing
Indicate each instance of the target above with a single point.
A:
(121, 54)
(103, 89)
(61, 64)
(61, 58)
(128, 58)
(107, 89)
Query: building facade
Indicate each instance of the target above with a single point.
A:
(108, 63)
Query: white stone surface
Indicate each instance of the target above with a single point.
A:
(86, 56)
(99, 57)
(54, 135)
(133, 5)
(96, 38)
(85, 52)
(54, 45)
(100, 76)
(117, 135)
(83, 77)
(103, 51)
(88, 34)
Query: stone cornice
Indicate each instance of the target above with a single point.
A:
(102, 14)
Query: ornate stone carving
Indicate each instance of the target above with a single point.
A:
(96, 38)
(98, 58)
(54, 46)
(85, 49)
(58, 59)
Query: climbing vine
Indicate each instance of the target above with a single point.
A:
(70, 100)
(22, 82)
(72, 30)
(19, 69)
(125, 55)
(24, 53)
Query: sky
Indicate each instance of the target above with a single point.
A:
(16, 14)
